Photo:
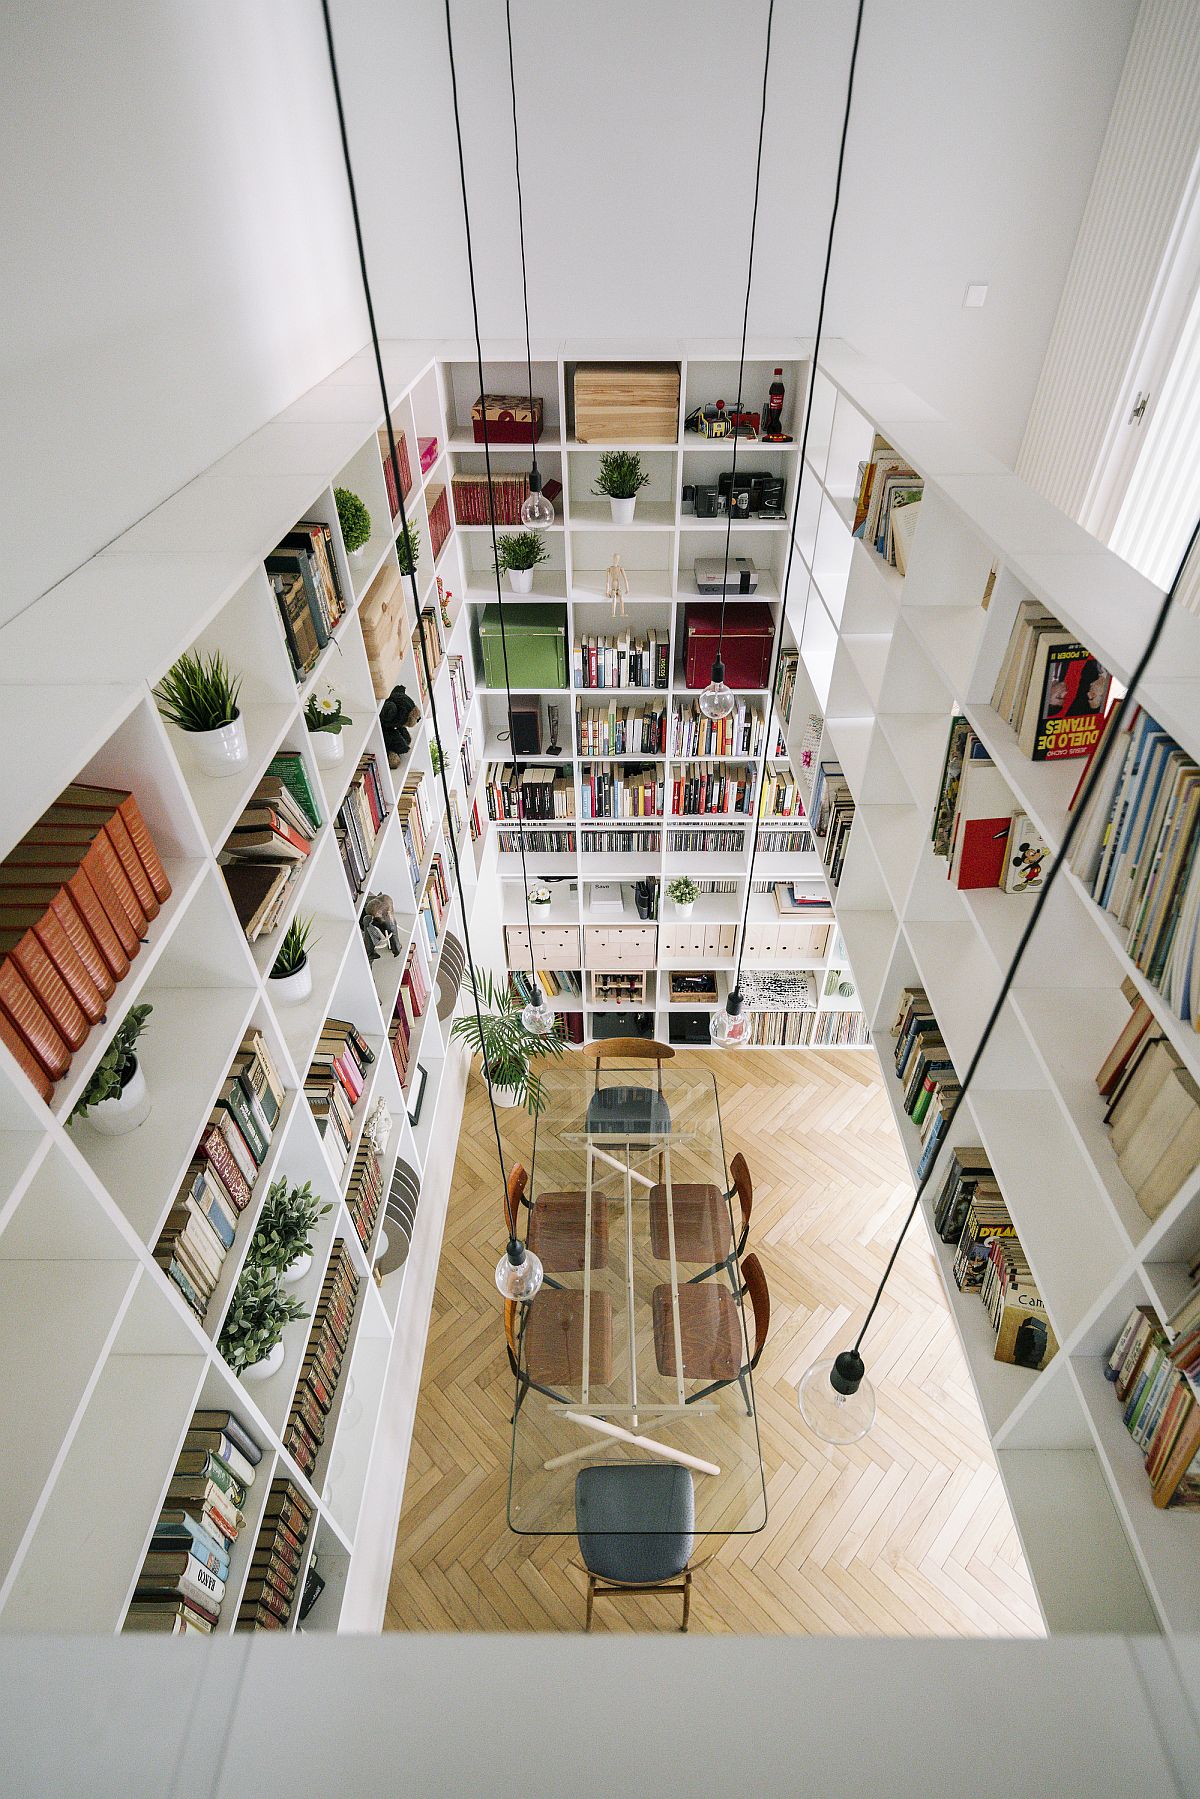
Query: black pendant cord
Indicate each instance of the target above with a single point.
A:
(1078, 812)
(512, 88)
(762, 121)
(412, 576)
(808, 406)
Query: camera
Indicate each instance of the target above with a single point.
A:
(711, 503)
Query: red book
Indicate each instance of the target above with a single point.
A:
(45, 957)
(33, 1024)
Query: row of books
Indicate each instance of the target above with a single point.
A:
(509, 493)
(271, 1585)
(324, 1354)
(437, 505)
(793, 1030)
(182, 1581)
(334, 1084)
(415, 816)
(411, 1001)
(550, 981)
(435, 902)
(984, 842)
(740, 734)
(924, 1067)
(1138, 854)
(429, 627)
(264, 855)
(202, 1223)
(1154, 1367)
(467, 761)
(620, 790)
(404, 487)
(780, 796)
(785, 683)
(1152, 1108)
(723, 842)
(360, 818)
(77, 896)
(621, 660)
(796, 842)
(888, 490)
(460, 688)
(699, 790)
(570, 1025)
(303, 574)
(364, 1193)
(621, 730)
(1050, 688)
(971, 1214)
(831, 810)
(515, 793)
(540, 842)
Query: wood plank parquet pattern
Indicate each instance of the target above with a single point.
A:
(907, 1533)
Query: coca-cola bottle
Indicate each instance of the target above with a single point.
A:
(772, 421)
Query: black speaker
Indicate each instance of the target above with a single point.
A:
(526, 728)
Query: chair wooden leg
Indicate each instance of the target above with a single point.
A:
(591, 1600)
(687, 1599)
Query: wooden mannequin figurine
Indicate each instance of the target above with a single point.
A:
(616, 585)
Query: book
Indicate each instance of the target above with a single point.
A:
(219, 1444)
(1025, 857)
(1066, 699)
(982, 818)
(290, 767)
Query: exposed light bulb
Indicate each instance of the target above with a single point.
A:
(518, 1272)
(536, 508)
(729, 1027)
(538, 1017)
(716, 700)
(836, 1399)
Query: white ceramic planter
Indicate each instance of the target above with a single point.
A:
(223, 751)
(125, 1111)
(540, 909)
(622, 510)
(684, 908)
(358, 556)
(505, 1096)
(270, 1364)
(292, 989)
(520, 580)
(296, 1271)
(327, 747)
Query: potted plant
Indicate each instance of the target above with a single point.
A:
(517, 555)
(282, 1240)
(291, 972)
(355, 521)
(621, 476)
(115, 1099)
(683, 894)
(199, 695)
(435, 758)
(252, 1336)
(509, 1048)
(326, 720)
(408, 548)
(540, 899)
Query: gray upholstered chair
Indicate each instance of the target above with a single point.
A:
(625, 1109)
(635, 1522)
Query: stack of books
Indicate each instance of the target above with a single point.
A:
(77, 895)
(781, 797)
(182, 1582)
(1137, 855)
(460, 689)
(796, 896)
(924, 1067)
(328, 1339)
(971, 1214)
(831, 810)
(621, 661)
(509, 494)
(514, 793)
(435, 902)
(887, 488)
(696, 790)
(1153, 1109)
(270, 1590)
(414, 812)
(364, 1195)
(740, 734)
(1154, 1368)
(334, 1084)
(973, 815)
(1050, 688)
(411, 1002)
(437, 504)
(201, 1225)
(619, 790)
(264, 856)
(621, 730)
(359, 821)
(467, 762)
(389, 473)
(303, 574)
(431, 637)
(550, 981)
(785, 683)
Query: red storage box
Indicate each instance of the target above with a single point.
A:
(508, 418)
(749, 637)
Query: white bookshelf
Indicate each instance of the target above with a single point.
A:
(891, 659)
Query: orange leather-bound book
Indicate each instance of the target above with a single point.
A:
(35, 1028)
(78, 820)
(87, 840)
(52, 941)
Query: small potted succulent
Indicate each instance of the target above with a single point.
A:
(408, 548)
(326, 720)
(291, 974)
(282, 1240)
(355, 521)
(252, 1336)
(199, 695)
(540, 899)
(510, 1048)
(115, 1100)
(620, 478)
(683, 895)
(517, 555)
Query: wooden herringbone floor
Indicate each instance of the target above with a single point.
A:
(905, 1533)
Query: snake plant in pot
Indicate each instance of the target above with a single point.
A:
(510, 1049)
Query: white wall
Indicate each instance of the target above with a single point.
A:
(175, 233)
(974, 135)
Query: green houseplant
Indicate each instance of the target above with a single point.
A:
(408, 548)
(354, 519)
(199, 695)
(510, 1049)
(252, 1336)
(621, 478)
(517, 555)
(115, 1099)
(683, 895)
(291, 974)
(282, 1240)
(326, 719)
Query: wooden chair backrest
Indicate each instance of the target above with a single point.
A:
(518, 1181)
(510, 1332)
(744, 1186)
(760, 1300)
(633, 1049)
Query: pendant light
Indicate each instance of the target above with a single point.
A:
(716, 700)
(519, 1273)
(729, 1027)
(535, 508)
(837, 1400)
(539, 1017)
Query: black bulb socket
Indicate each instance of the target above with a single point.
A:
(718, 671)
(846, 1375)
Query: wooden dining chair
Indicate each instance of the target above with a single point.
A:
(699, 1212)
(555, 1225)
(635, 1522)
(544, 1338)
(710, 1332)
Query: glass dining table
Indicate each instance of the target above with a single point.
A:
(635, 1349)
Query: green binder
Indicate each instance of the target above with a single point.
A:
(537, 645)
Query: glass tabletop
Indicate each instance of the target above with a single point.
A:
(637, 1347)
